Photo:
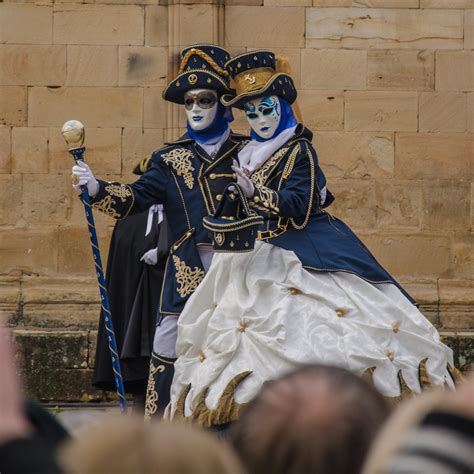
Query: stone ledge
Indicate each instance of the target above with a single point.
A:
(57, 365)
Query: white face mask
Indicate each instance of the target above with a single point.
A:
(264, 115)
(201, 107)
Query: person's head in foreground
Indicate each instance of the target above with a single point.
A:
(318, 420)
(128, 445)
(432, 433)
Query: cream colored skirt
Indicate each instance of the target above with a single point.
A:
(258, 315)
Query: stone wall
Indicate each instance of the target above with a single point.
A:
(386, 85)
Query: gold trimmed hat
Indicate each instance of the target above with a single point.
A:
(202, 67)
(255, 75)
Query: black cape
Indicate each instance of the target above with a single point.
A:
(134, 294)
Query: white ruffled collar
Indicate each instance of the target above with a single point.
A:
(255, 154)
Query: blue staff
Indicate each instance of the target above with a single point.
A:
(73, 133)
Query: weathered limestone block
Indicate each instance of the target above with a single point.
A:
(425, 293)
(288, 3)
(398, 204)
(13, 105)
(332, 3)
(384, 28)
(103, 151)
(30, 150)
(92, 65)
(384, 111)
(405, 255)
(93, 106)
(455, 70)
(32, 249)
(470, 112)
(5, 150)
(45, 198)
(10, 200)
(264, 27)
(462, 344)
(189, 31)
(156, 25)
(74, 249)
(143, 66)
(98, 24)
(446, 205)
(54, 364)
(386, 3)
(332, 69)
(355, 202)
(442, 112)
(462, 244)
(61, 302)
(400, 70)
(434, 155)
(322, 110)
(26, 24)
(155, 109)
(446, 4)
(244, 2)
(137, 144)
(9, 299)
(355, 154)
(32, 65)
(469, 29)
(457, 304)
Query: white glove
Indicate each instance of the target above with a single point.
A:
(243, 180)
(82, 175)
(150, 257)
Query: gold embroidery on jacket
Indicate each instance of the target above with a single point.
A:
(265, 199)
(180, 160)
(187, 278)
(260, 176)
(151, 400)
(119, 190)
(106, 205)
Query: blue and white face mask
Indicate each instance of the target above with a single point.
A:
(264, 115)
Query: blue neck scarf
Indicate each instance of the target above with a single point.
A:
(287, 120)
(216, 129)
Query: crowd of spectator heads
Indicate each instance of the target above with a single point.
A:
(319, 419)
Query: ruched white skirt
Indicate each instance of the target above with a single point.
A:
(263, 312)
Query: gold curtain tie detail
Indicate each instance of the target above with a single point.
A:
(253, 79)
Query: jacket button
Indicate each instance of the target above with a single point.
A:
(219, 197)
(212, 176)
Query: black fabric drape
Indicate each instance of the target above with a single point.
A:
(134, 293)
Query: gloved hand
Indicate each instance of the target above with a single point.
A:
(243, 180)
(82, 175)
(150, 257)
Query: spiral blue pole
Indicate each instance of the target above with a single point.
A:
(78, 154)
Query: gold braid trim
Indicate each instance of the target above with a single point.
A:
(204, 56)
(151, 406)
(119, 190)
(187, 278)
(259, 177)
(265, 199)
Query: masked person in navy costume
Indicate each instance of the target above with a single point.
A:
(187, 177)
(309, 292)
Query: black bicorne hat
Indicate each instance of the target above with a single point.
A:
(255, 75)
(234, 224)
(202, 67)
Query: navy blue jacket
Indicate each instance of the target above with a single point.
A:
(287, 193)
(189, 184)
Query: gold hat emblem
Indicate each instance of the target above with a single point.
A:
(250, 78)
(192, 79)
(219, 238)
